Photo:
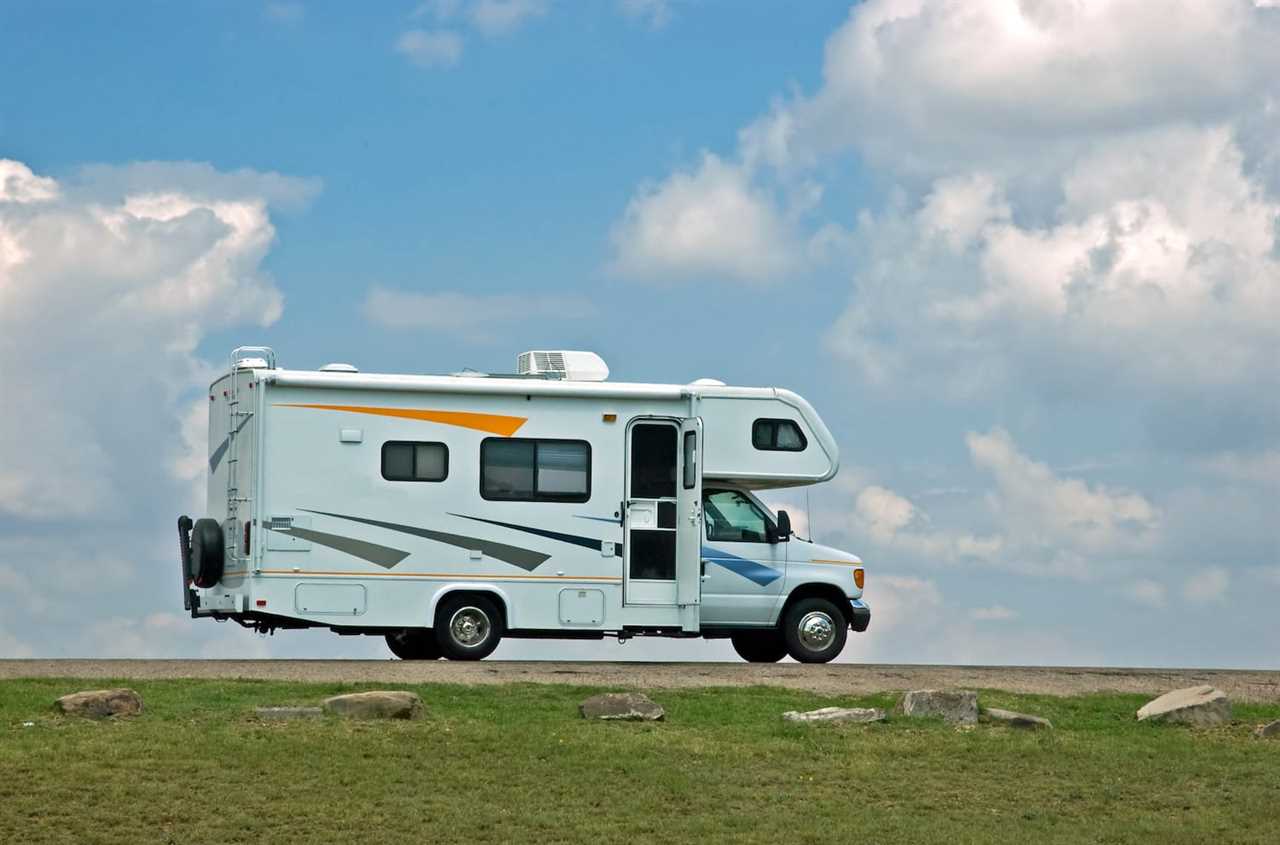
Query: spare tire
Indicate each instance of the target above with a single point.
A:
(206, 559)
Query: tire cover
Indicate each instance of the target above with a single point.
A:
(206, 553)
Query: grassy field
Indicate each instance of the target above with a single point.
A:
(516, 764)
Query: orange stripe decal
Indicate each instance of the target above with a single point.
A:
(492, 423)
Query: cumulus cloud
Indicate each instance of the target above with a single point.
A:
(710, 221)
(1040, 508)
(935, 85)
(125, 284)
(430, 48)
(477, 318)
(1040, 523)
(109, 281)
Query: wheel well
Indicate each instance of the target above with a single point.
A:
(830, 592)
(492, 595)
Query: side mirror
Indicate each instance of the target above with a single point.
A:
(784, 527)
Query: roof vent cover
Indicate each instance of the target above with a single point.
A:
(569, 365)
(338, 368)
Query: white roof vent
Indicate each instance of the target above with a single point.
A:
(707, 382)
(338, 368)
(572, 366)
(251, 364)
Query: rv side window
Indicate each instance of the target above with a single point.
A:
(778, 436)
(406, 461)
(513, 469)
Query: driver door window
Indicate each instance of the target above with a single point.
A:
(732, 517)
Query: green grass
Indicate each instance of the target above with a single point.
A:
(516, 764)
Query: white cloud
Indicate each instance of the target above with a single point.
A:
(929, 85)
(286, 13)
(478, 318)
(96, 284)
(710, 221)
(502, 17)
(1038, 507)
(430, 48)
(994, 613)
(19, 184)
(1041, 523)
(654, 13)
(1144, 591)
(1209, 583)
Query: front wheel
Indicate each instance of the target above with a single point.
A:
(468, 627)
(759, 646)
(814, 630)
(414, 644)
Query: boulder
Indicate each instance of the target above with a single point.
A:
(622, 706)
(100, 703)
(285, 714)
(1015, 720)
(1268, 731)
(956, 707)
(379, 704)
(1202, 705)
(836, 714)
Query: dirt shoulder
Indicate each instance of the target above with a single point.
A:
(834, 679)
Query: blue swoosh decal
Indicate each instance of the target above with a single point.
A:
(750, 569)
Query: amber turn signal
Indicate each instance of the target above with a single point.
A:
(858, 576)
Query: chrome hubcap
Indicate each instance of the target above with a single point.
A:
(817, 630)
(469, 626)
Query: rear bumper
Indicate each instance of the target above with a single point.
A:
(860, 618)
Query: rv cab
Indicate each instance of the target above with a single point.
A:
(443, 513)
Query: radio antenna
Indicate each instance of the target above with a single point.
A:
(808, 512)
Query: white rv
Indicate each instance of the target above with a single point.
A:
(446, 512)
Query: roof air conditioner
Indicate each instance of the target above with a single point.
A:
(572, 366)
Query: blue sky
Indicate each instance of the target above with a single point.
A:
(1024, 261)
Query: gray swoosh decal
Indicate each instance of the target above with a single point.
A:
(216, 457)
(526, 559)
(383, 556)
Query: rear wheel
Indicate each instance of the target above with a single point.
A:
(414, 644)
(814, 630)
(759, 646)
(467, 627)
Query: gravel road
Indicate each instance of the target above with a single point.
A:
(832, 678)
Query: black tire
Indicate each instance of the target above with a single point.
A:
(815, 630)
(205, 562)
(759, 646)
(414, 644)
(467, 627)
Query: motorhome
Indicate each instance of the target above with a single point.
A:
(445, 512)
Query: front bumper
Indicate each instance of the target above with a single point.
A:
(860, 617)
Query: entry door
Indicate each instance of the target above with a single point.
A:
(662, 519)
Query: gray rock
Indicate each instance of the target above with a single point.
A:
(285, 714)
(956, 707)
(1016, 720)
(622, 706)
(1269, 731)
(1202, 705)
(379, 704)
(836, 714)
(100, 703)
